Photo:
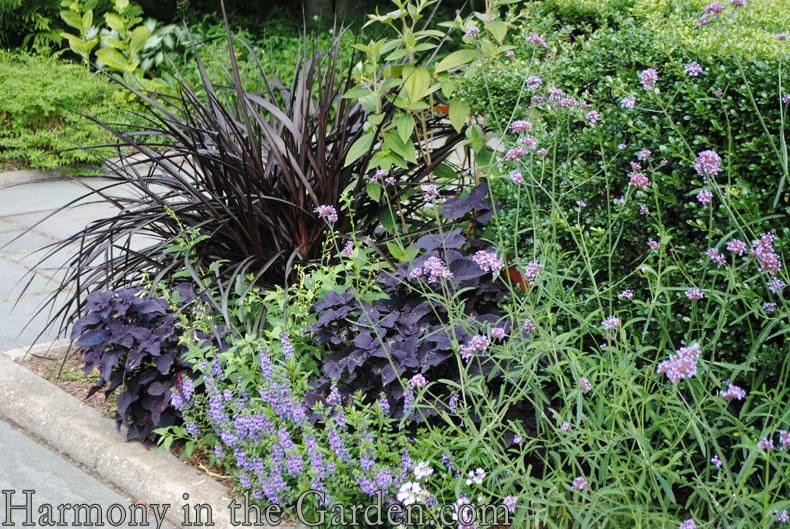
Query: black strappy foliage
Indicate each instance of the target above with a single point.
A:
(245, 168)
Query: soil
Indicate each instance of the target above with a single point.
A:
(68, 375)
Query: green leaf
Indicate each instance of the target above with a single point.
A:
(405, 126)
(87, 21)
(388, 219)
(456, 59)
(395, 250)
(418, 83)
(115, 22)
(359, 148)
(497, 28)
(138, 39)
(374, 191)
(357, 92)
(403, 148)
(459, 111)
(72, 19)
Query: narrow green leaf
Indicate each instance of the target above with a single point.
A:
(395, 251)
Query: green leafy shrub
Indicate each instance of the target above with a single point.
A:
(40, 110)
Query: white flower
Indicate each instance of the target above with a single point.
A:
(422, 470)
(409, 493)
(476, 476)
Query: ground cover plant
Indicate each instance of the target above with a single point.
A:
(582, 323)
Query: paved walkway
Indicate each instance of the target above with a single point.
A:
(27, 465)
(24, 229)
(24, 207)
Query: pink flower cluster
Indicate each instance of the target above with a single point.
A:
(638, 180)
(612, 322)
(328, 213)
(498, 333)
(681, 365)
(648, 78)
(763, 249)
(716, 256)
(534, 83)
(418, 381)
(488, 262)
(627, 294)
(520, 126)
(430, 193)
(654, 245)
(708, 163)
(585, 385)
(472, 32)
(477, 344)
(536, 39)
(580, 483)
(693, 69)
(704, 197)
(694, 293)
(515, 175)
(348, 249)
(628, 102)
(515, 153)
(434, 268)
(736, 246)
(733, 392)
(593, 116)
(531, 271)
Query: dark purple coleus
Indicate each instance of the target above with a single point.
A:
(133, 340)
(374, 343)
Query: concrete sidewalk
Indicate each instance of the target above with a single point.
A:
(27, 201)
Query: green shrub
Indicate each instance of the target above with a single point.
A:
(40, 110)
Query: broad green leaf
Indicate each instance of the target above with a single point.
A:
(357, 92)
(115, 22)
(72, 19)
(405, 126)
(395, 251)
(497, 28)
(114, 60)
(388, 219)
(418, 83)
(459, 110)
(456, 59)
(87, 21)
(403, 148)
(359, 148)
(448, 87)
(374, 191)
(114, 43)
(445, 172)
(137, 40)
(91, 4)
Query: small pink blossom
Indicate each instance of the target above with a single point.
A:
(516, 177)
(644, 154)
(593, 116)
(716, 256)
(528, 325)
(693, 69)
(627, 294)
(733, 392)
(643, 210)
(766, 443)
(534, 83)
(694, 293)
(580, 483)
(704, 197)
(769, 306)
(542, 152)
(638, 180)
(418, 381)
(611, 322)
(648, 78)
(736, 246)
(622, 146)
(348, 249)
(688, 524)
(566, 426)
(716, 461)
(628, 102)
(488, 262)
(584, 384)
(681, 365)
(536, 39)
(327, 213)
(520, 126)
(498, 333)
(515, 153)
(654, 245)
(472, 32)
(708, 163)
(581, 203)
